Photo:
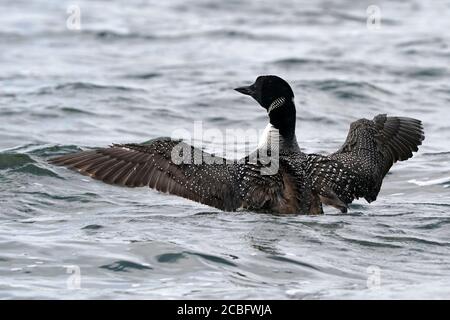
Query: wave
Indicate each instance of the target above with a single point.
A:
(335, 84)
(433, 154)
(344, 16)
(370, 243)
(348, 90)
(435, 225)
(423, 73)
(125, 266)
(215, 33)
(330, 64)
(23, 163)
(413, 239)
(73, 110)
(421, 42)
(445, 181)
(36, 170)
(175, 257)
(83, 197)
(299, 61)
(143, 76)
(14, 160)
(92, 227)
(84, 86)
(55, 150)
(296, 262)
(40, 150)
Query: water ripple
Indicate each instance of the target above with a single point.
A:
(84, 86)
(143, 71)
(125, 266)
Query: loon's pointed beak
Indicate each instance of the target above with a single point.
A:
(249, 90)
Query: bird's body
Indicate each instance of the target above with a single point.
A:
(277, 177)
(202, 177)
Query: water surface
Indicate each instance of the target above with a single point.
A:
(141, 69)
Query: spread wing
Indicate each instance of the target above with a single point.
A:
(177, 168)
(357, 169)
(164, 164)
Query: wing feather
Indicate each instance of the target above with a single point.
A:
(357, 169)
(150, 164)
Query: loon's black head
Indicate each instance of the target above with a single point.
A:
(269, 91)
(276, 96)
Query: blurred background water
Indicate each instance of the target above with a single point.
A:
(142, 69)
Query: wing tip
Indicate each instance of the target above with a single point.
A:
(403, 135)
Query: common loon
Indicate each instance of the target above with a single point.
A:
(301, 183)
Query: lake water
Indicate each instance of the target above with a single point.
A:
(141, 69)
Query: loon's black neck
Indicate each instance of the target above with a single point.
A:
(283, 119)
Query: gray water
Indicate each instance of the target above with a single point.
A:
(141, 69)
